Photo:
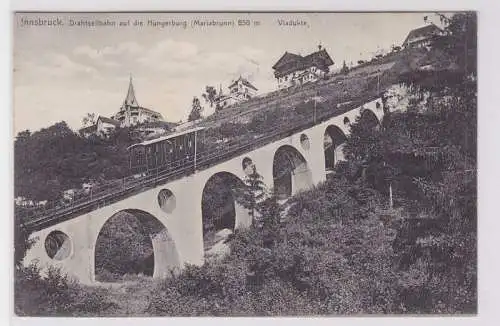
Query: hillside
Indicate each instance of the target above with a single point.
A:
(359, 83)
(263, 119)
(340, 250)
(392, 231)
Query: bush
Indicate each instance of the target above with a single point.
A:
(231, 129)
(56, 295)
(307, 265)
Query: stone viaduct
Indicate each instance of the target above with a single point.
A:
(172, 212)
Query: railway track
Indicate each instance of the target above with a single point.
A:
(37, 219)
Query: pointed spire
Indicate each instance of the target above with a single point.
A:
(130, 100)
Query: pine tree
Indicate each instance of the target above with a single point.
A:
(254, 193)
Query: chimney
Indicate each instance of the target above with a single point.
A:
(319, 47)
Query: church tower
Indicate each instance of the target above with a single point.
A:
(130, 100)
(131, 114)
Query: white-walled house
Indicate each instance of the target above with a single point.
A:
(102, 128)
(106, 125)
(422, 36)
(293, 69)
(240, 90)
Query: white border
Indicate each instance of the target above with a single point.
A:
(488, 145)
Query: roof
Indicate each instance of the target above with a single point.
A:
(287, 57)
(130, 99)
(318, 57)
(180, 133)
(152, 111)
(291, 62)
(108, 120)
(424, 31)
(122, 110)
(244, 81)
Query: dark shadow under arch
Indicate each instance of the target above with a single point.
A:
(334, 139)
(133, 241)
(220, 206)
(369, 119)
(291, 172)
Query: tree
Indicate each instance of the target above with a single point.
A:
(210, 95)
(55, 159)
(254, 192)
(460, 40)
(23, 135)
(344, 70)
(362, 143)
(196, 110)
(89, 120)
(22, 242)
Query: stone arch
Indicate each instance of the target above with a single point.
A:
(333, 143)
(133, 241)
(221, 207)
(369, 118)
(291, 172)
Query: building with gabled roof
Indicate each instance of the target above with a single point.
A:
(102, 127)
(242, 85)
(293, 69)
(131, 113)
(421, 36)
(106, 125)
(240, 90)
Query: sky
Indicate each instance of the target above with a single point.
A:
(61, 73)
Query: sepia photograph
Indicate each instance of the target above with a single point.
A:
(244, 164)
